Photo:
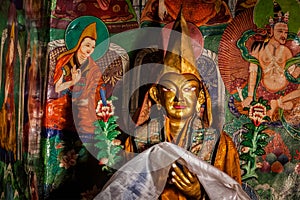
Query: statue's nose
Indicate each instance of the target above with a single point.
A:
(179, 96)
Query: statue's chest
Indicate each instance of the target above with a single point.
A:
(203, 141)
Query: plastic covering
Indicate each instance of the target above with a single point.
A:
(145, 176)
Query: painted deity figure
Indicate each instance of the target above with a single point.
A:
(185, 121)
(273, 56)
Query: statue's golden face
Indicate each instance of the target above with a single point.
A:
(178, 94)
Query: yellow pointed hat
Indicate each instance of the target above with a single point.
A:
(89, 31)
(179, 59)
(180, 56)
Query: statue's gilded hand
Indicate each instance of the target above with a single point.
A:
(186, 182)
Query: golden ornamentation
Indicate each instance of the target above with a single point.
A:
(200, 101)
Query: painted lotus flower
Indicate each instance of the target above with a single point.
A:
(257, 113)
(69, 159)
(106, 131)
(105, 111)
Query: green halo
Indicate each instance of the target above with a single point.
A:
(75, 29)
(264, 9)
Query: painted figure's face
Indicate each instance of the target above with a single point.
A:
(86, 48)
(179, 94)
(280, 32)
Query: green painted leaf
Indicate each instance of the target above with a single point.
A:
(112, 127)
(267, 118)
(102, 123)
(264, 102)
(117, 159)
(115, 149)
(98, 131)
(262, 136)
(247, 143)
(100, 137)
(249, 126)
(259, 152)
(113, 134)
(102, 154)
(252, 162)
(99, 124)
(261, 128)
(101, 145)
(247, 136)
(262, 143)
(246, 108)
(111, 120)
(245, 156)
(60, 176)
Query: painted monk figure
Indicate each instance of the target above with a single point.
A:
(75, 67)
(70, 113)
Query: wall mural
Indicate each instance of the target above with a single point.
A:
(61, 62)
(261, 75)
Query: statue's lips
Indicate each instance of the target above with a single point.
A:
(179, 107)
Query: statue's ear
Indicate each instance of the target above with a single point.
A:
(154, 94)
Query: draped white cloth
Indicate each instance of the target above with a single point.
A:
(144, 176)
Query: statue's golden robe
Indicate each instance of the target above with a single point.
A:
(216, 149)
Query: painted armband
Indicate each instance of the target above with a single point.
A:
(292, 69)
(253, 68)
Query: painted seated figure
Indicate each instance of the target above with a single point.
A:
(183, 118)
(200, 13)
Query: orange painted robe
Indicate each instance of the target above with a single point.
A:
(76, 104)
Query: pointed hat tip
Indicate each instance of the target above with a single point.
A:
(180, 55)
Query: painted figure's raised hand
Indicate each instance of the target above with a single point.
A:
(76, 74)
